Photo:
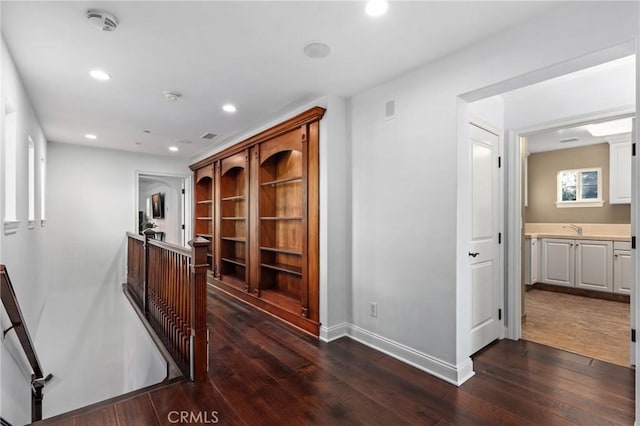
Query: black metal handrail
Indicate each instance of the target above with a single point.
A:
(12, 307)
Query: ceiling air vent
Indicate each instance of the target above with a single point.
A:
(101, 20)
(569, 140)
(208, 135)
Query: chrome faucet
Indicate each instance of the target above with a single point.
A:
(577, 228)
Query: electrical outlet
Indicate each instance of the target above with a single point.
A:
(373, 309)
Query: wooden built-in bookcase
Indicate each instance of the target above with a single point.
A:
(204, 209)
(258, 202)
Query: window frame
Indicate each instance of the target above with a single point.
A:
(579, 201)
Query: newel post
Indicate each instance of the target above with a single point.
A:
(199, 332)
(148, 234)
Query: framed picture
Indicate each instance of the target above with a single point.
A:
(157, 205)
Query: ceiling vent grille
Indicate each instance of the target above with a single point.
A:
(208, 136)
(569, 140)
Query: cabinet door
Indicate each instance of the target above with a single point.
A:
(620, 173)
(622, 272)
(594, 265)
(557, 262)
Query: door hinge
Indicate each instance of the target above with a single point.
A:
(633, 335)
(633, 149)
(499, 237)
(499, 314)
(182, 226)
(633, 242)
(499, 162)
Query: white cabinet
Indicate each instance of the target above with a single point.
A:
(557, 262)
(531, 254)
(620, 170)
(594, 265)
(622, 268)
(578, 263)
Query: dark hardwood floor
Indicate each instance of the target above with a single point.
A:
(264, 373)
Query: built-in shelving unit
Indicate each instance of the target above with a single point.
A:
(203, 195)
(265, 210)
(233, 219)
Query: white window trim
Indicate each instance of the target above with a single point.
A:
(580, 202)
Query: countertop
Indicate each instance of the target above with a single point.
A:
(580, 237)
(591, 231)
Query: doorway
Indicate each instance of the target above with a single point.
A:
(514, 126)
(162, 206)
(576, 258)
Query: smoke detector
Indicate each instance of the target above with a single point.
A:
(101, 20)
(171, 96)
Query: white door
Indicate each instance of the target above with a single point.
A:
(483, 249)
(594, 265)
(557, 262)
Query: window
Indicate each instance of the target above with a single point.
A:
(580, 188)
(43, 174)
(32, 181)
(9, 136)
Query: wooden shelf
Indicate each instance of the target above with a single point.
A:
(236, 239)
(239, 262)
(284, 180)
(282, 299)
(281, 250)
(234, 198)
(234, 218)
(281, 218)
(204, 218)
(295, 270)
(204, 235)
(204, 202)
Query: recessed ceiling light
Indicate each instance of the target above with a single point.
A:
(317, 50)
(173, 148)
(99, 75)
(376, 7)
(614, 127)
(228, 108)
(90, 136)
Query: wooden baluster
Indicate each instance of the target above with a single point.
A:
(148, 233)
(198, 290)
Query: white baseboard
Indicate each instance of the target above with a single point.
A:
(454, 374)
(329, 334)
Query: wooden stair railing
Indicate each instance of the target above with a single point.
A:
(169, 285)
(12, 307)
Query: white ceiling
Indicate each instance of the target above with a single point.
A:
(614, 80)
(247, 53)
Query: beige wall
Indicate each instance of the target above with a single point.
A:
(543, 168)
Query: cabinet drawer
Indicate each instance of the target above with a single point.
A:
(621, 245)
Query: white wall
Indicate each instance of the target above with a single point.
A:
(21, 250)
(92, 203)
(95, 346)
(335, 219)
(410, 226)
(172, 190)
